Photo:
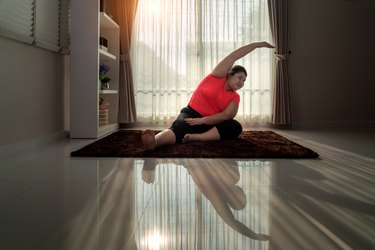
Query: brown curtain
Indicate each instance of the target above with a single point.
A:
(123, 12)
(279, 12)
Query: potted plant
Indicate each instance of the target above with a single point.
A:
(103, 78)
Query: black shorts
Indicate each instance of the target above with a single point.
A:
(229, 129)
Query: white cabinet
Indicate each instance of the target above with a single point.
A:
(88, 24)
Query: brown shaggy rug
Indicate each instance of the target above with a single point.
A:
(250, 144)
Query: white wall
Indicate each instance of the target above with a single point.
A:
(332, 62)
(32, 92)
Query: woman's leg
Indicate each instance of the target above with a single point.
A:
(181, 128)
(230, 129)
(167, 136)
(151, 141)
(210, 135)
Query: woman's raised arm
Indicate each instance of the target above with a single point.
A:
(223, 67)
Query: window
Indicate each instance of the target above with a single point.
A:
(176, 43)
(43, 23)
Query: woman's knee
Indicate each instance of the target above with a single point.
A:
(230, 129)
(179, 128)
(237, 128)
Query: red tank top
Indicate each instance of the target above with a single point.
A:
(211, 96)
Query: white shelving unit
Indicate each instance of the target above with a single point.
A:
(88, 24)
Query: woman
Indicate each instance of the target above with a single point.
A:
(212, 107)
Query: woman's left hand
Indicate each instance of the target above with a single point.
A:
(194, 121)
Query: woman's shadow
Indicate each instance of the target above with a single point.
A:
(217, 181)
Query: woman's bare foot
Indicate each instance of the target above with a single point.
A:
(191, 137)
(148, 139)
(210, 135)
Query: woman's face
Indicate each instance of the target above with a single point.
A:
(236, 81)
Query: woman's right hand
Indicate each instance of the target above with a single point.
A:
(264, 45)
(194, 121)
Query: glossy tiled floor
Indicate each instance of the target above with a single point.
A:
(51, 201)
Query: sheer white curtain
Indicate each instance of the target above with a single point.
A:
(177, 42)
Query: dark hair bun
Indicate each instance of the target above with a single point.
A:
(237, 69)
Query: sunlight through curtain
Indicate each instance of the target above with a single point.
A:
(176, 43)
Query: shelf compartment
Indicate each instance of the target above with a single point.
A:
(106, 22)
(108, 91)
(104, 55)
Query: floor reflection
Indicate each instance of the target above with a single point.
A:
(202, 204)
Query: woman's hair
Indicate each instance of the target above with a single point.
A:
(236, 69)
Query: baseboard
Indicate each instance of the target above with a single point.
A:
(31, 144)
(333, 124)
